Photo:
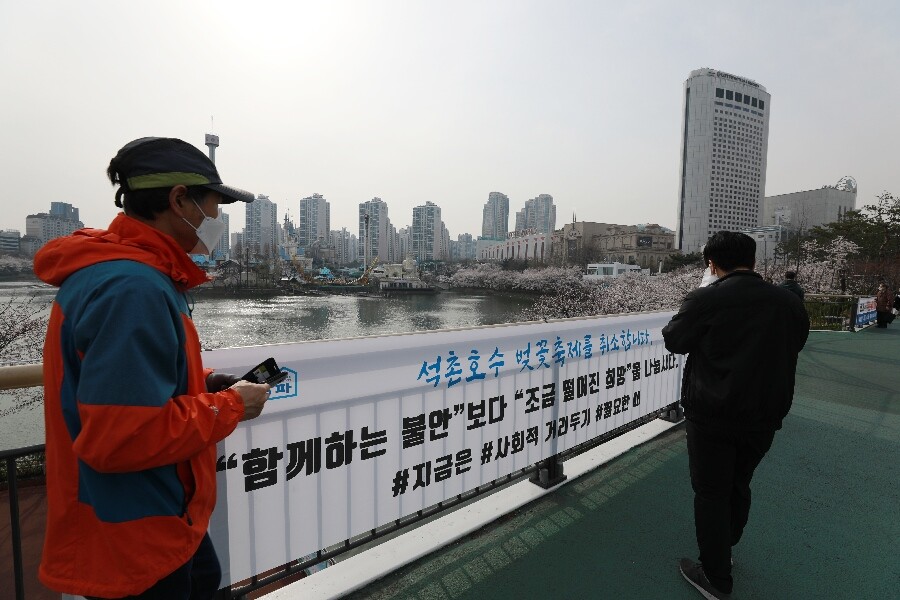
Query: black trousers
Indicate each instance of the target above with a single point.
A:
(722, 465)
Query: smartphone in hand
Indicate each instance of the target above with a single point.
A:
(267, 371)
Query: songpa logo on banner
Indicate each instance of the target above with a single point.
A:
(287, 388)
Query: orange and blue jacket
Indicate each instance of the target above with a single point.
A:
(131, 430)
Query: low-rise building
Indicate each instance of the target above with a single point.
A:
(583, 242)
(529, 246)
(30, 244)
(767, 240)
(9, 241)
(811, 208)
(598, 271)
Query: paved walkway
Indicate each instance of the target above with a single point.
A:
(824, 522)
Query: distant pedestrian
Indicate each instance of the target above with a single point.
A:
(884, 302)
(790, 283)
(743, 337)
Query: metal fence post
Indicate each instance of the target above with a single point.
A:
(15, 528)
(550, 470)
(549, 473)
(672, 413)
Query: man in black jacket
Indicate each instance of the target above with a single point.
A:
(791, 285)
(743, 336)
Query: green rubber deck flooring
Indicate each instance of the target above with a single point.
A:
(825, 521)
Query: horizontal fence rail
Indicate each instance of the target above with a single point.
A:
(14, 377)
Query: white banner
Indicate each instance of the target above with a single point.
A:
(866, 312)
(370, 430)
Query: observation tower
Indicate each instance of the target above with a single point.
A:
(212, 142)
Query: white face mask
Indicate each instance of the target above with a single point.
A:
(708, 277)
(209, 233)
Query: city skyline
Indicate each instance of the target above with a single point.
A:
(416, 103)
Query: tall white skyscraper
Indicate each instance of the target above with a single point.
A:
(261, 227)
(314, 221)
(495, 221)
(724, 140)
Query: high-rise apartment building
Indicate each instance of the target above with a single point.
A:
(404, 241)
(520, 220)
(495, 221)
(724, 140)
(261, 227)
(345, 246)
(223, 248)
(314, 222)
(463, 247)
(237, 245)
(538, 214)
(394, 246)
(64, 211)
(375, 231)
(429, 239)
(61, 220)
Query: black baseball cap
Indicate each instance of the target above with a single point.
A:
(155, 162)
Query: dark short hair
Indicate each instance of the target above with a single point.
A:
(731, 250)
(149, 203)
(790, 275)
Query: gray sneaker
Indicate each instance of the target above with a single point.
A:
(694, 574)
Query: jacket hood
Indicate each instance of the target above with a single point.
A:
(126, 239)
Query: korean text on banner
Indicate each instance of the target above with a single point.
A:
(369, 430)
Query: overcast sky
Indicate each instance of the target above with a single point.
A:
(439, 101)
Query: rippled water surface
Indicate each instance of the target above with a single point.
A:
(229, 322)
(225, 322)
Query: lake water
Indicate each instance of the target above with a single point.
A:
(230, 322)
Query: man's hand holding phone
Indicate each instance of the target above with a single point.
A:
(253, 395)
(267, 371)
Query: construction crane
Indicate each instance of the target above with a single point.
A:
(364, 278)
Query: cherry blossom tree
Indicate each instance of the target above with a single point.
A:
(491, 276)
(821, 268)
(23, 323)
(624, 294)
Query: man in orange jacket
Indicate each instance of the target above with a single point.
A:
(132, 417)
